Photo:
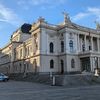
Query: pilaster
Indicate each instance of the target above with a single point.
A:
(98, 45)
(85, 42)
(92, 43)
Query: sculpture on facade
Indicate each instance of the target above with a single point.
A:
(97, 25)
(36, 42)
(66, 17)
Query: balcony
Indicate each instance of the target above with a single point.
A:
(88, 53)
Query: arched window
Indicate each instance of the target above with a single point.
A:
(51, 64)
(62, 66)
(73, 63)
(62, 62)
(51, 47)
(71, 45)
(20, 65)
(62, 46)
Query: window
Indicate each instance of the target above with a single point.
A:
(71, 45)
(51, 64)
(20, 65)
(73, 63)
(27, 51)
(62, 66)
(14, 53)
(83, 47)
(51, 47)
(83, 44)
(62, 62)
(20, 53)
(62, 46)
(61, 36)
(71, 35)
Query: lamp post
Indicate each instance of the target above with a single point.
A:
(51, 73)
(52, 77)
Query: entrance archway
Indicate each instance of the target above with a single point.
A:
(85, 64)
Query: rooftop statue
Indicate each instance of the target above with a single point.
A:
(66, 17)
(41, 19)
(97, 25)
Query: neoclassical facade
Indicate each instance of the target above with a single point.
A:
(43, 47)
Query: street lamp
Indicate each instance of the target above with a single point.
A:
(52, 77)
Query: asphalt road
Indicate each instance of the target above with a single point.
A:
(14, 90)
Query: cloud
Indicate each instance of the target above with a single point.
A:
(95, 11)
(90, 11)
(8, 16)
(80, 15)
(23, 3)
(49, 2)
(41, 3)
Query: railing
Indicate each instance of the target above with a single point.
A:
(89, 51)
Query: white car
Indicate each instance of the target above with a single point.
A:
(3, 77)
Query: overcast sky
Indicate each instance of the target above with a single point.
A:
(13, 13)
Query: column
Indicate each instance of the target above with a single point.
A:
(33, 47)
(92, 43)
(91, 64)
(98, 62)
(85, 42)
(98, 44)
(78, 43)
(24, 50)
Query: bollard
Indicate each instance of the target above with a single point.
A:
(51, 74)
(53, 81)
(96, 72)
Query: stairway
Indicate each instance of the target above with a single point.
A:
(77, 80)
(60, 80)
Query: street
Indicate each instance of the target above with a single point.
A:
(16, 90)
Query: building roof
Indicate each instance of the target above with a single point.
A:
(25, 28)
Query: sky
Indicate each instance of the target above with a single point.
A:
(13, 13)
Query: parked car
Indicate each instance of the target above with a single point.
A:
(3, 77)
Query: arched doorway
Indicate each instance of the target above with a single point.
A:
(62, 66)
(85, 64)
